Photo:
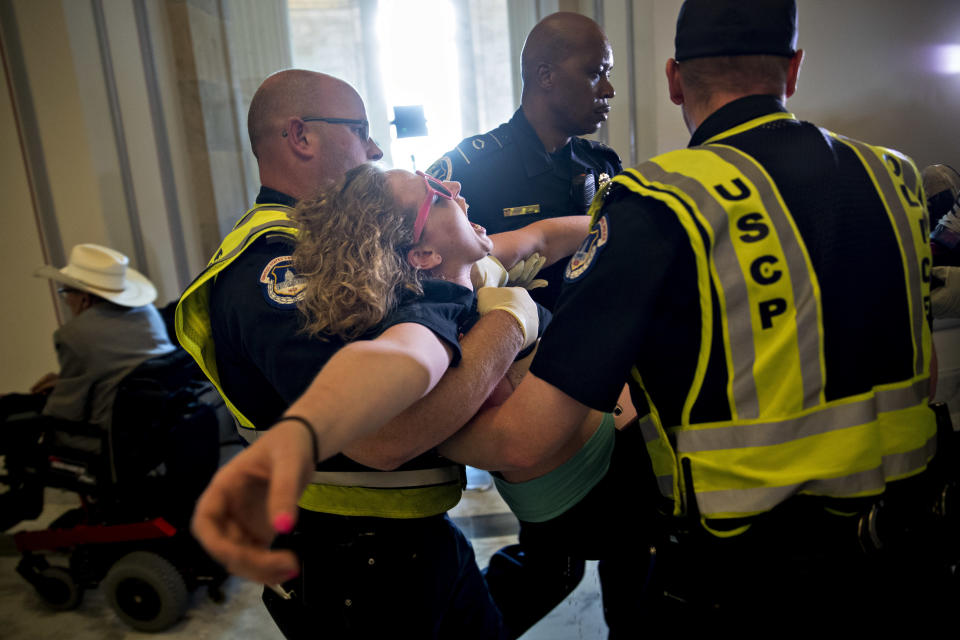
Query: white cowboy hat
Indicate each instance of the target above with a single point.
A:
(103, 272)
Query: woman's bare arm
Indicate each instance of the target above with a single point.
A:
(255, 495)
(488, 349)
(553, 238)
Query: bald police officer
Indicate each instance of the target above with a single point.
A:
(239, 320)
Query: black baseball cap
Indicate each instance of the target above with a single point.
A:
(736, 28)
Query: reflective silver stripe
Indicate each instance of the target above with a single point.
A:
(250, 233)
(899, 464)
(666, 485)
(902, 220)
(261, 207)
(764, 434)
(808, 332)
(734, 286)
(766, 498)
(648, 429)
(248, 434)
(372, 479)
(388, 479)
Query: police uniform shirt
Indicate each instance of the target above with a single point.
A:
(631, 296)
(509, 180)
(264, 358)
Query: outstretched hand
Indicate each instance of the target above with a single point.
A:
(523, 274)
(251, 500)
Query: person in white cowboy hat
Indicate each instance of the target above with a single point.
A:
(114, 327)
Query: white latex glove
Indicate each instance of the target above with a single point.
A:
(945, 300)
(488, 272)
(523, 273)
(517, 302)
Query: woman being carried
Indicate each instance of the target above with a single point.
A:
(388, 258)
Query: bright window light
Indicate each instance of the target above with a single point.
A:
(946, 58)
(419, 65)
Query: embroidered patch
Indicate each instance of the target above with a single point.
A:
(442, 169)
(282, 286)
(583, 259)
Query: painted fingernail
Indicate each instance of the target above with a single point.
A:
(293, 574)
(283, 523)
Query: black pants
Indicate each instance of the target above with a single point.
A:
(812, 567)
(384, 578)
(529, 579)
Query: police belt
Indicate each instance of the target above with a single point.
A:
(374, 479)
(389, 479)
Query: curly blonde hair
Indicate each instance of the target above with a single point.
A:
(352, 252)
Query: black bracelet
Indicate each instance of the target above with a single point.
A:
(313, 434)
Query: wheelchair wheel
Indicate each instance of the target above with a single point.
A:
(146, 591)
(58, 588)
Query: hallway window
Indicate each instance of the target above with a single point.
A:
(452, 57)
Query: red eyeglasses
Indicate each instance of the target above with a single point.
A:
(435, 189)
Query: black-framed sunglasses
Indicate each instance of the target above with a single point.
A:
(364, 125)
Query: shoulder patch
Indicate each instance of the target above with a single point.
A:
(593, 244)
(282, 286)
(441, 169)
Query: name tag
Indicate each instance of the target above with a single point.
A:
(509, 212)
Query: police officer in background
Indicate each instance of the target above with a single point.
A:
(239, 320)
(530, 168)
(534, 166)
(777, 326)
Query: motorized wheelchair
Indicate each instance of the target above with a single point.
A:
(138, 482)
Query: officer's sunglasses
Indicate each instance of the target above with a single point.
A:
(435, 189)
(362, 126)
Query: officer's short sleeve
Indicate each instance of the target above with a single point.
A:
(444, 308)
(612, 287)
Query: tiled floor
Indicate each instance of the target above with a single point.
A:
(24, 616)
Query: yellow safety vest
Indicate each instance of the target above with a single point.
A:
(400, 494)
(783, 438)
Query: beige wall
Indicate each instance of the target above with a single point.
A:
(28, 317)
(867, 73)
(139, 144)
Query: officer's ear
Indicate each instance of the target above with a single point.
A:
(793, 72)
(424, 258)
(674, 86)
(545, 75)
(295, 136)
